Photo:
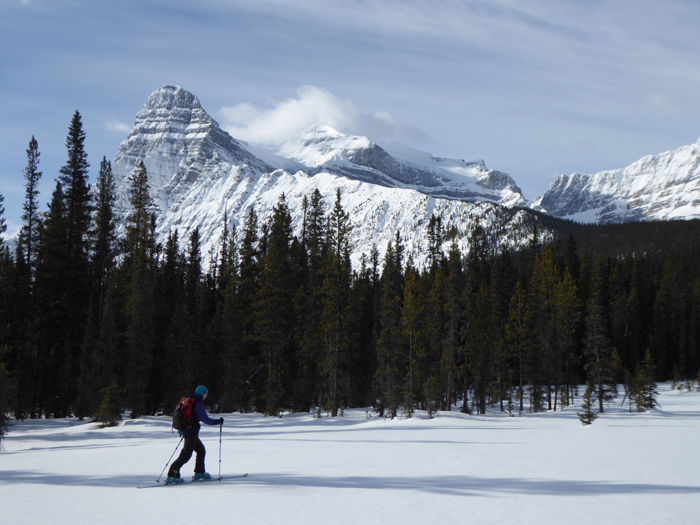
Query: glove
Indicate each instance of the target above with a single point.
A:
(221, 421)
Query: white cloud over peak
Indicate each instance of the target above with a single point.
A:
(115, 126)
(287, 118)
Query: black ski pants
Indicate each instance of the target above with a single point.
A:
(192, 444)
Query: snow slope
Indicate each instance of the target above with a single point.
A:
(656, 187)
(538, 469)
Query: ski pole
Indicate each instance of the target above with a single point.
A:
(171, 457)
(221, 427)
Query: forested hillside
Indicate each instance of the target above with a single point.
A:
(90, 325)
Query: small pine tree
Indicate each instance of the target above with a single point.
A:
(110, 411)
(631, 390)
(433, 389)
(587, 416)
(647, 387)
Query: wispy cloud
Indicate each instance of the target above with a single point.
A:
(661, 102)
(287, 118)
(115, 126)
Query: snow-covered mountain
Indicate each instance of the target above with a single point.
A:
(656, 187)
(398, 166)
(198, 174)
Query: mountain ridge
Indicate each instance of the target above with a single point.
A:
(199, 174)
(656, 187)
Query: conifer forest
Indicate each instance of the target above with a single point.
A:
(91, 323)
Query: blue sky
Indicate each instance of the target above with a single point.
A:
(534, 88)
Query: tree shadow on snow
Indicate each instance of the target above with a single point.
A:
(472, 486)
(446, 485)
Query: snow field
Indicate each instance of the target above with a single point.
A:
(540, 468)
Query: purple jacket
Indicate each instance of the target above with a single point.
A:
(200, 415)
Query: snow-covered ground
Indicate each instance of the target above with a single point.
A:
(539, 469)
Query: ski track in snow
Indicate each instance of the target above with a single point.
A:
(539, 468)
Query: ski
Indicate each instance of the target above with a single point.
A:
(193, 482)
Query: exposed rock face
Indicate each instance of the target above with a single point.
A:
(199, 174)
(656, 187)
(180, 144)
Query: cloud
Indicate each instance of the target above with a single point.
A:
(114, 126)
(286, 119)
(661, 103)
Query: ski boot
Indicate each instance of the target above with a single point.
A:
(172, 480)
(198, 477)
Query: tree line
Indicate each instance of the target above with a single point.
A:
(92, 325)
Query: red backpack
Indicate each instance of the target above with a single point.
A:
(183, 417)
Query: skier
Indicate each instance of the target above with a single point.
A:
(192, 441)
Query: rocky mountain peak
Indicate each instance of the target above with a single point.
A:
(656, 187)
(179, 144)
(169, 97)
(171, 109)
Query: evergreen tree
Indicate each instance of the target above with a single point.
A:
(3, 223)
(140, 255)
(111, 407)
(571, 258)
(476, 360)
(335, 323)
(517, 337)
(16, 320)
(694, 326)
(598, 350)
(412, 327)
(103, 248)
(228, 258)
(193, 275)
(543, 363)
(274, 325)
(61, 279)
(453, 332)
(309, 304)
(566, 318)
(186, 330)
(669, 325)
(645, 376)
(74, 184)
(588, 415)
(47, 351)
(170, 380)
(250, 255)
(103, 232)
(627, 332)
(435, 240)
(68, 256)
(227, 332)
(430, 357)
(481, 344)
(75, 188)
(391, 359)
(30, 209)
(5, 268)
(362, 360)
